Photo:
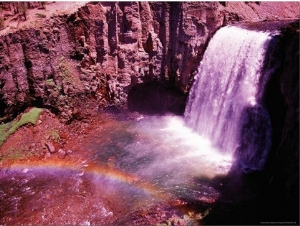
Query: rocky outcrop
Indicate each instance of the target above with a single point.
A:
(36, 69)
(106, 51)
(282, 167)
(135, 43)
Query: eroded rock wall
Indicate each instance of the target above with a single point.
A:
(134, 43)
(106, 51)
(36, 70)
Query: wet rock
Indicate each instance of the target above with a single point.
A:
(45, 30)
(51, 148)
(55, 29)
(25, 170)
(47, 155)
(61, 154)
(34, 130)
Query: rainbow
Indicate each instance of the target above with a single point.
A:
(91, 168)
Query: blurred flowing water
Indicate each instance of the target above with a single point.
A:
(226, 101)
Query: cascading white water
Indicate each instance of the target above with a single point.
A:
(225, 102)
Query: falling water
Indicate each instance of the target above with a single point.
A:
(225, 103)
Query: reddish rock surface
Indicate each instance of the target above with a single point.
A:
(103, 50)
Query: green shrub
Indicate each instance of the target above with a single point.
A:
(9, 128)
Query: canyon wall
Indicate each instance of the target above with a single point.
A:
(137, 55)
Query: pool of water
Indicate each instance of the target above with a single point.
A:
(129, 165)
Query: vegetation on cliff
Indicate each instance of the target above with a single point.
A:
(9, 128)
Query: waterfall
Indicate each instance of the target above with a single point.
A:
(225, 103)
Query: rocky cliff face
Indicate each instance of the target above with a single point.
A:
(34, 70)
(135, 43)
(282, 167)
(107, 52)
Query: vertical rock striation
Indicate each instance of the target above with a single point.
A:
(36, 70)
(134, 43)
(106, 53)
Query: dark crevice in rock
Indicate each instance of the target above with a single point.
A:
(76, 55)
(175, 15)
(111, 18)
(29, 75)
(28, 64)
(3, 115)
(164, 37)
